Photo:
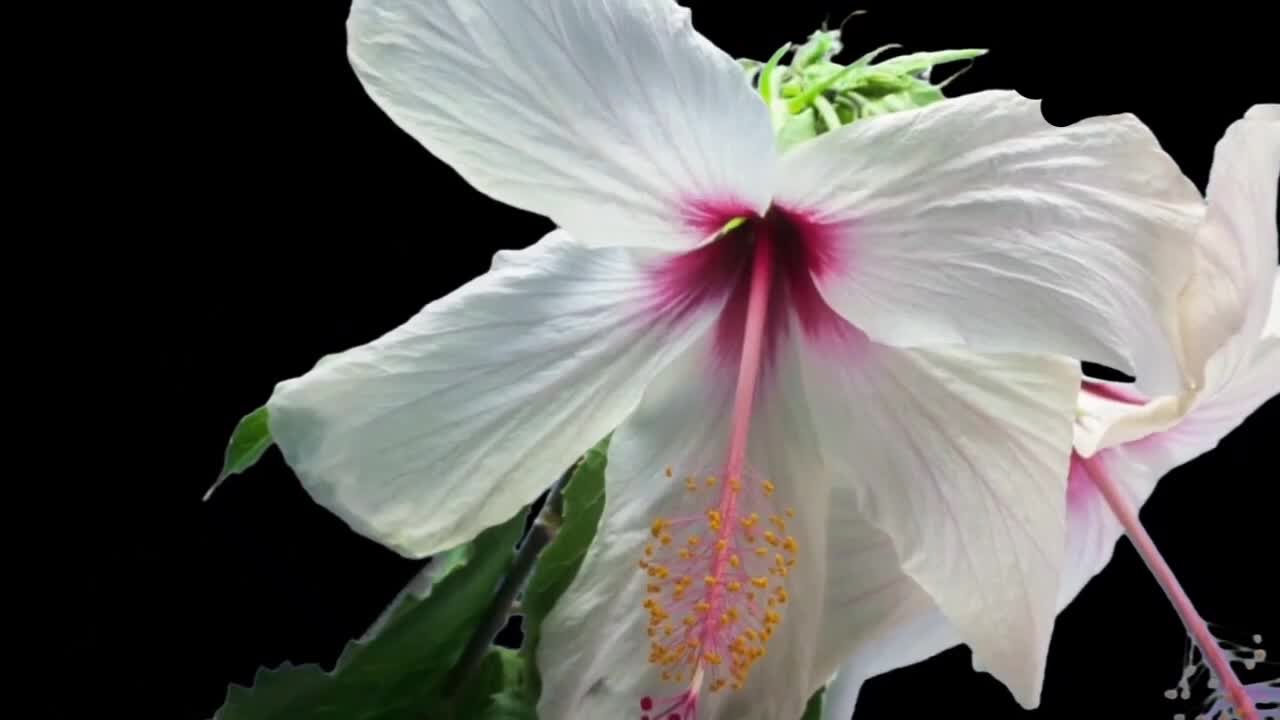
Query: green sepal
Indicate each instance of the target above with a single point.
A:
(821, 47)
(815, 95)
(398, 670)
(798, 128)
(921, 61)
(249, 440)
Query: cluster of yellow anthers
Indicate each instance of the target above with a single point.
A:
(716, 583)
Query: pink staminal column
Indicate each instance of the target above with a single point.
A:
(1219, 664)
(716, 576)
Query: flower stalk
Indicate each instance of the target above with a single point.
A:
(540, 534)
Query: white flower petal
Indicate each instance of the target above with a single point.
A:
(876, 618)
(962, 460)
(1109, 414)
(1228, 297)
(1265, 111)
(1271, 329)
(614, 118)
(594, 647)
(451, 422)
(974, 221)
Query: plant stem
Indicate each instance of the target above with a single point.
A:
(539, 536)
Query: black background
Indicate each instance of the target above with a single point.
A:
(301, 221)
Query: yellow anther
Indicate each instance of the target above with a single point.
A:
(654, 588)
(658, 526)
(685, 554)
(735, 485)
(735, 586)
(762, 551)
(790, 512)
(702, 608)
(760, 582)
(722, 545)
(667, 631)
(778, 522)
(665, 539)
(735, 561)
(711, 481)
(770, 538)
(790, 545)
(668, 471)
(768, 488)
(711, 657)
(690, 621)
(648, 550)
(710, 580)
(779, 562)
(690, 484)
(694, 540)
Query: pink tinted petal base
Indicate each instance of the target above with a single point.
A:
(1091, 470)
(800, 250)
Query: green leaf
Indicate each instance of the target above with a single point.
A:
(398, 671)
(813, 711)
(249, 440)
(559, 562)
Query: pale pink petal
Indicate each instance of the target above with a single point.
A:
(1137, 466)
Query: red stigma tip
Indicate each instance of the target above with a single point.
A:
(646, 703)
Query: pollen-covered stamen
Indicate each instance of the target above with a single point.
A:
(1198, 676)
(717, 568)
(1215, 658)
(716, 581)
